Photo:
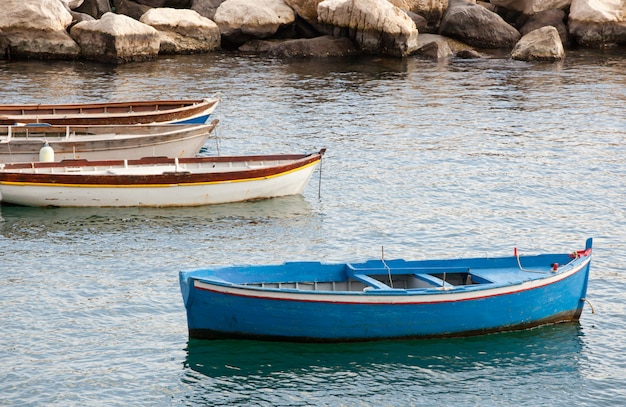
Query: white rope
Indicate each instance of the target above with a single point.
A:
(520, 264)
(382, 258)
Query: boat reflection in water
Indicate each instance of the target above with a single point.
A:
(230, 370)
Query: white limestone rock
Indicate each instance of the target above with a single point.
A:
(377, 26)
(36, 29)
(117, 39)
(598, 22)
(182, 31)
(242, 20)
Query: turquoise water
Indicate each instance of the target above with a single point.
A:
(464, 158)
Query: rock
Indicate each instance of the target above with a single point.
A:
(307, 23)
(78, 17)
(598, 23)
(242, 20)
(530, 7)
(36, 29)
(376, 26)
(130, 8)
(165, 3)
(182, 31)
(72, 4)
(468, 54)
(420, 22)
(319, 47)
(5, 50)
(543, 44)
(454, 45)
(95, 8)
(431, 10)
(116, 39)
(206, 8)
(437, 50)
(553, 17)
(306, 9)
(302, 29)
(477, 26)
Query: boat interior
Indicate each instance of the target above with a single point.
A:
(148, 166)
(381, 278)
(44, 131)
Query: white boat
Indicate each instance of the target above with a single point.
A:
(156, 181)
(25, 143)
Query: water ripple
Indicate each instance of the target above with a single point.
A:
(462, 158)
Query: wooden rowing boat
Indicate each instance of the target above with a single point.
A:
(25, 143)
(156, 181)
(195, 111)
(385, 299)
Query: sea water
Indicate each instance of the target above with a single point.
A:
(425, 159)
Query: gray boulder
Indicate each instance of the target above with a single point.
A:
(420, 22)
(553, 17)
(95, 8)
(468, 54)
(71, 4)
(78, 17)
(319, 47)
(130, 8)
(477, 26)
(543, 44)
(437, 50)
(206, 8)
(116, 39)
(530, 7)
(165, 3)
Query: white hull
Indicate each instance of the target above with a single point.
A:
(289, 183)
(187, 147)
(106, 143)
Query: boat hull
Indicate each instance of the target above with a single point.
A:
(20, 144)
(112, 113)
(168, 185)
(229, 311)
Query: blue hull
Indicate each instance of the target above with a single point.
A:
(221, 304)
(202, 119)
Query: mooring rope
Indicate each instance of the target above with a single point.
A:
(382, 258)
(588, 302)
(319, 184)
(216, 130)
(520, 264)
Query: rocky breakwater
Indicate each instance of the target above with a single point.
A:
(119, 31)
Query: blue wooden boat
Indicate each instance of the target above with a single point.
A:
(385, 299)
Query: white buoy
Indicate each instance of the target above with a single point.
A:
(46, 154)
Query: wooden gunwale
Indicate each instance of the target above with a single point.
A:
(138, 112)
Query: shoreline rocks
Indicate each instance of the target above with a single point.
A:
(121, 31)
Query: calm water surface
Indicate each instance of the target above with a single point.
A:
(425, 159)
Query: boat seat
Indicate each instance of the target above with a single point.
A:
(371, 283)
